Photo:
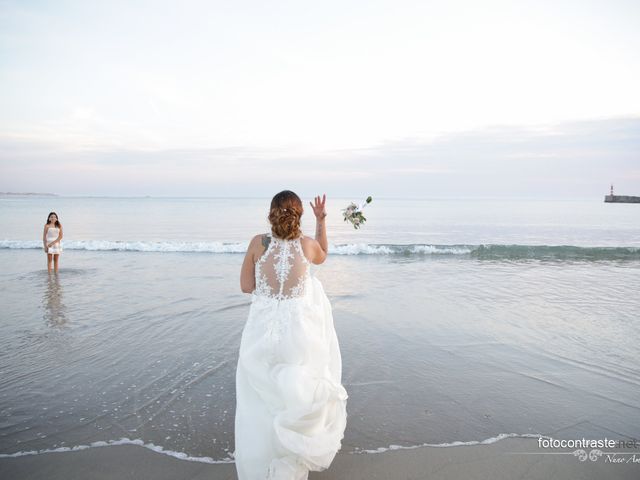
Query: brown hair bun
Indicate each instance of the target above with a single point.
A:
(285, 214)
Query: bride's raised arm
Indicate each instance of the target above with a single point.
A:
(321, 229)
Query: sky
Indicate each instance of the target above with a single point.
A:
(389, 98)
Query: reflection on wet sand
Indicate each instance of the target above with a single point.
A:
(54, 308)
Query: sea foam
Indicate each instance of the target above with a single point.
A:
(483, 251)
(230, 459)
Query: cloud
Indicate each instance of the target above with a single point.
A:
(567, 159)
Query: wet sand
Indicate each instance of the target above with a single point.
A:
(511, 458)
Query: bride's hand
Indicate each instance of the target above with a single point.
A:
(318, 208)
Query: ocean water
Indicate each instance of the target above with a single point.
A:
(459, 321)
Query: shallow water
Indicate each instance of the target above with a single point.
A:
(434, 350)
(436, 347)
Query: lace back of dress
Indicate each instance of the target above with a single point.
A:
(282, 270)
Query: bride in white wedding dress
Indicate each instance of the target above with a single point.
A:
(290, 404)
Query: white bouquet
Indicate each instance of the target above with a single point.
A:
(353, 213)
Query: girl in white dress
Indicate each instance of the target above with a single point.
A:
(290, 404)
(51, 238)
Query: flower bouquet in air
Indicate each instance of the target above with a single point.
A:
(353, 213)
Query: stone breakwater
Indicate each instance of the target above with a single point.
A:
(621, 199)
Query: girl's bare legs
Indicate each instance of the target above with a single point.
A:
(55, 262)
(49, 260)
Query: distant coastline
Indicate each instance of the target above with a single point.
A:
(27, 194)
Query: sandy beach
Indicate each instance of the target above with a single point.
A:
(507, 459)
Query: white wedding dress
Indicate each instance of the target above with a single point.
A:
(290, 404)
